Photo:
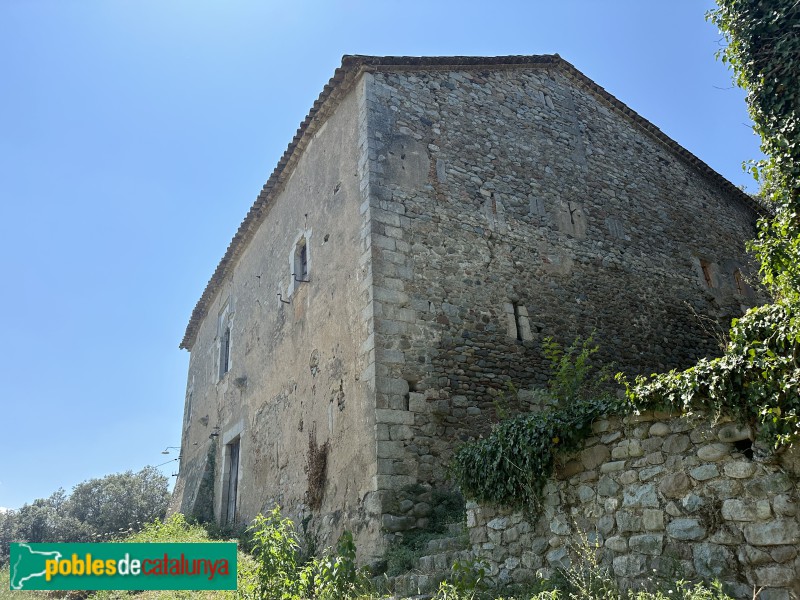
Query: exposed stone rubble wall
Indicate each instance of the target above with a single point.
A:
(672, 498)
(509, 205)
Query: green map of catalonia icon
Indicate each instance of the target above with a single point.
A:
(27, 563)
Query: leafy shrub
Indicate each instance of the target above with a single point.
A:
(175, 529)
(512, 465)
(757, 380)
(282, 575)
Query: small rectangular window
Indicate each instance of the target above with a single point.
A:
(303, 261)
(224, 339)
(225, 353)
(706, 266)
(300, 265)
(516, 321)
(519, 325)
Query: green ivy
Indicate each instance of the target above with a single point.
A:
(284, 575)
(756, 381)
(512, 464)
(764, 52)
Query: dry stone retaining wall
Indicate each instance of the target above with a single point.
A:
(669, 497)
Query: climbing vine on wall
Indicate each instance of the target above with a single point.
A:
(756, 381)
(512, 464)
(763, 50)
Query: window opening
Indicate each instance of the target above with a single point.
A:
(516, 321)
(224, 340)
(189, 407)
(232, 481)
(300, 265)
(706, 266)
(225, 352)
(519, 325)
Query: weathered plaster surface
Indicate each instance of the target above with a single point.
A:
(298, 369)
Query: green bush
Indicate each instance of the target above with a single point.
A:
(283, 575)
(756, 380)
(512, 465)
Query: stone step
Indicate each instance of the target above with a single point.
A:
(434, 565)
(443, 561)
(445, 544)
(431, 570)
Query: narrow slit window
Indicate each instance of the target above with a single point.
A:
(224, 333)
(706, 266)
(303, 261)
(225, 353)
(516, 321)
(300, 263)
(519, 325)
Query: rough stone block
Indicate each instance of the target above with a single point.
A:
(739, 469)
(734, 433)
(686, 529)
(753, 556)
(649, 544)
(773, 533)
(704, 472)
(607, 486)
(659, 429)
(595, 456)
(643, 496)
(784, 506)
(617, 543)
(400, 432)
(783, 554)
(628, 522)
(676, 444)
(713, 452)
(611, 467)
(653, 519)
(775, 576)
(650, 473)
(712, 560)
(393, 450)
(394, 417)
(629, 565)
(559, 557)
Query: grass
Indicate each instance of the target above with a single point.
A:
(587, 580)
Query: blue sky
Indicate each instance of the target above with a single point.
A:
(135, 134)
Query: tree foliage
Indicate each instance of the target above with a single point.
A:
(757, 379)
(120, 501)
(97, 509)
(764, 52)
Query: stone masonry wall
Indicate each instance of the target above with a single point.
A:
(663, 498)
(508, 205)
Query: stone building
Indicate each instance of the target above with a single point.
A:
(430, 223)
